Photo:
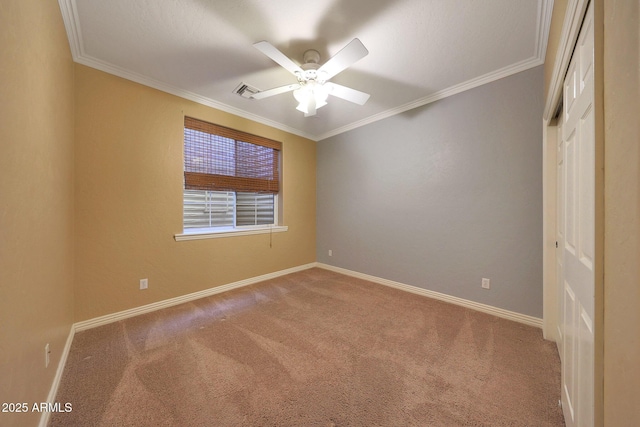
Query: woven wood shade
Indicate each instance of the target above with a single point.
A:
(217, 158)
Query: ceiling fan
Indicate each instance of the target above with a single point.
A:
(313, 85)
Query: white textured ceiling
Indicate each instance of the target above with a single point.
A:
(419, 50)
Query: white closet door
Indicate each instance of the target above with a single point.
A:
(577, 232)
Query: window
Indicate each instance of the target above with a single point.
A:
(210, 209)
(231, 180)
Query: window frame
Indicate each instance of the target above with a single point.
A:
(239, 231)
(243, 230)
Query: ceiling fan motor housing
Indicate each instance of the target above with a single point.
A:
(310, 67)
(311, 56)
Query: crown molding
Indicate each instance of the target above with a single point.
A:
(74, 34)
(450, 91)
(545, 9)
(173, 90)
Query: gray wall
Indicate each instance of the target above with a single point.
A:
(443, 195)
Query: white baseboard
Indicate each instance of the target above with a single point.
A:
(499, 312)
(51, 398)
(114, 317)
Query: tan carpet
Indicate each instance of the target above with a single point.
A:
(313, 348)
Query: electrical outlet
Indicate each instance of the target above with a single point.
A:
(47, 353)
(144, 283)
(330, 252)
(486, 283)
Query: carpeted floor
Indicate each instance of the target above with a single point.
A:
(314, 348)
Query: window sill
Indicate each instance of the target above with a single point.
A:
(208, 234)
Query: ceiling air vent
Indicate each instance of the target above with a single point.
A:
(245, 91)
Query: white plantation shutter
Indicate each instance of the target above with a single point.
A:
(209, 209)
(206, 209)
(254, 209)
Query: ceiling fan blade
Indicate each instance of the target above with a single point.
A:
(347, 93)
(280, 58)
(275, 91)
(349, 55)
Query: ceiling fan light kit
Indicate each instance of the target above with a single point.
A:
(313, 87)
(310, 96)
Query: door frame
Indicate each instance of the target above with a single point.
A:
(575, 12)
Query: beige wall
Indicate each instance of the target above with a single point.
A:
(129, 163)
(121, 144)
(622, 213)
(36, 200)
